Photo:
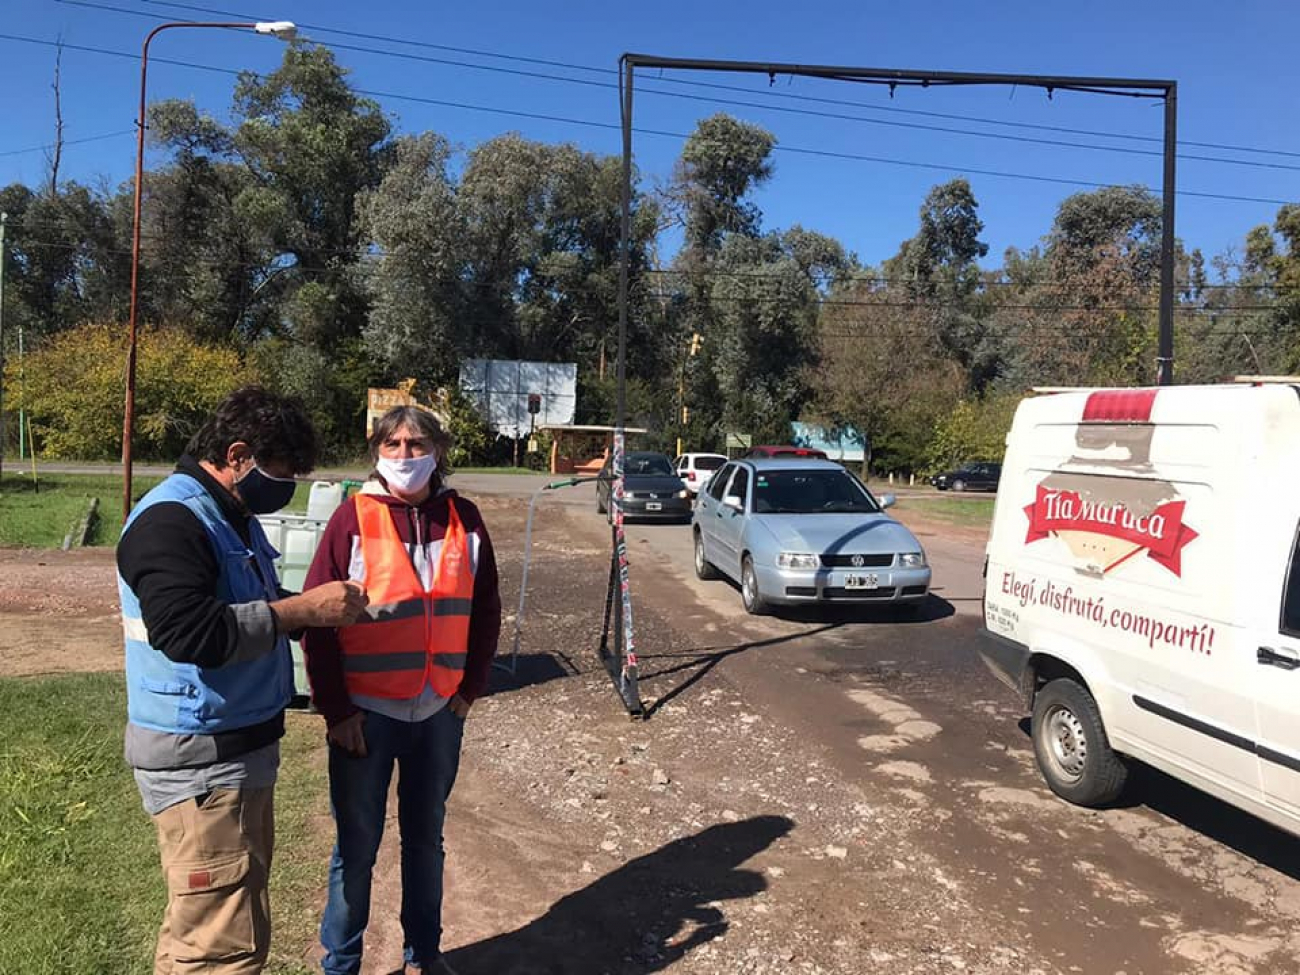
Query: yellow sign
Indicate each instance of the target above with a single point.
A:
(380, 401)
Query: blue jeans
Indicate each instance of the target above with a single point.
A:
(427, 754)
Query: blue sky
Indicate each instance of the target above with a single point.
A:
(1236, 68)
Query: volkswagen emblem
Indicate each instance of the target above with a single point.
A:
(858, 561)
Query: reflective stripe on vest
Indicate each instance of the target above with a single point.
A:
(409, 636)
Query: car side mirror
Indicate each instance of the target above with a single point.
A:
(888, 501)
(733, 501)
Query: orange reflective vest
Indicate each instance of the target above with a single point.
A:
(409, 636)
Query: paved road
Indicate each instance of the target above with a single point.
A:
(1171, 881)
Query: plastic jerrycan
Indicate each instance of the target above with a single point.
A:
(325, 496)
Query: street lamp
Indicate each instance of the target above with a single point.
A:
(283, 29)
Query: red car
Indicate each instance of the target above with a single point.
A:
(785, 450)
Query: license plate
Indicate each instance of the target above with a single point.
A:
(653, 506)
(869, 580)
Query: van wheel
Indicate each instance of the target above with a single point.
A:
(1071, 746)
(750, 597)
(959, 485)
(704, 569)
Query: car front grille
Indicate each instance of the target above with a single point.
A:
(841, 561)
(913, 591)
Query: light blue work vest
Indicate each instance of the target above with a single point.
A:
(184, 698)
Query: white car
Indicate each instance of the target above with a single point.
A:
(696, 469)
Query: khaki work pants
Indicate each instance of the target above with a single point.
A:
(216, 855)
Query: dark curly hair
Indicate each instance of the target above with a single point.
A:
(275, 427)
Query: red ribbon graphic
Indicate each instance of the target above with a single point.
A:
(1054, 511)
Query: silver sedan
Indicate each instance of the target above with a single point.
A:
(804, 531)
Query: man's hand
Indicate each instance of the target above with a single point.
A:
(459, 706)
(349, 735)
(331, 604)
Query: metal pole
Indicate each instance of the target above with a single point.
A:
(4, 218)
(22, 395)
(128, 416)
(624, 638)
(1165, 354)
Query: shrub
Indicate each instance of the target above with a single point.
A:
(74, 387)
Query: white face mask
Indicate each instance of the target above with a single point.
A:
(408, 475)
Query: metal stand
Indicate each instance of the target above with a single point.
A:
(621, 665)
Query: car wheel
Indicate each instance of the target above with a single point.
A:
(750, 597)
(1071, 746)
(959, 485)
(704, 569)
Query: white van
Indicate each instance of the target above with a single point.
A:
(1142, 588)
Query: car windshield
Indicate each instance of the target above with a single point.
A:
(810, 492)
(648, 465)
(709, 463)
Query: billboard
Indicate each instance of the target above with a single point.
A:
(838, 443)
(500, 389)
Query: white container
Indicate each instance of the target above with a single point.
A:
(324, 498)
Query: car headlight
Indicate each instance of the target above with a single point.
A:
(912, 560)
(797, 560)
(683, 493)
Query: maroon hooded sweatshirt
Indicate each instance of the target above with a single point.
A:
(416, 524)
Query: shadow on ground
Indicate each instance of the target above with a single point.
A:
(926, 611)
(1202, 812)
(643, 917)
(527, 670)
(695, 664)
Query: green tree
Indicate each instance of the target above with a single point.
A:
(74, 390)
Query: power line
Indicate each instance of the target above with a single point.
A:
(716, 100)
(271, 265)
(767, 92)
(589, 123)
(983, 287)
(69, 142)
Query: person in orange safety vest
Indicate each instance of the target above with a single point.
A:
(395, 687)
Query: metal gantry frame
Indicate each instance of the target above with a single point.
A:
(621, 659)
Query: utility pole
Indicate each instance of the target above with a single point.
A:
(4, 218)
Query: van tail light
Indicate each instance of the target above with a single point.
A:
(690, 475)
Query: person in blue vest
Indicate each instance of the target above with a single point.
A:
(209, 673)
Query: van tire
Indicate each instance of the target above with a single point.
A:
(600, 505)
(1071, 747)
(704, 569)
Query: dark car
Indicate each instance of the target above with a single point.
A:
(651, 488)
(973, 476)
(784, 451)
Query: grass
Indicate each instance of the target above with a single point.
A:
(39, 517)
(963, 512)
(495, 470)
(80, 885)
(39, 514)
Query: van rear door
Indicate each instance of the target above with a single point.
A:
(1277, 682)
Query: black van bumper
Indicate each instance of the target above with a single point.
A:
(1005, 658)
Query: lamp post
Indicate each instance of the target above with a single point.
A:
(277, 28)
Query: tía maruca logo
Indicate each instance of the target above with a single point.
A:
(1106, 534)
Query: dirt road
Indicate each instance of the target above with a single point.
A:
(810, 794)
